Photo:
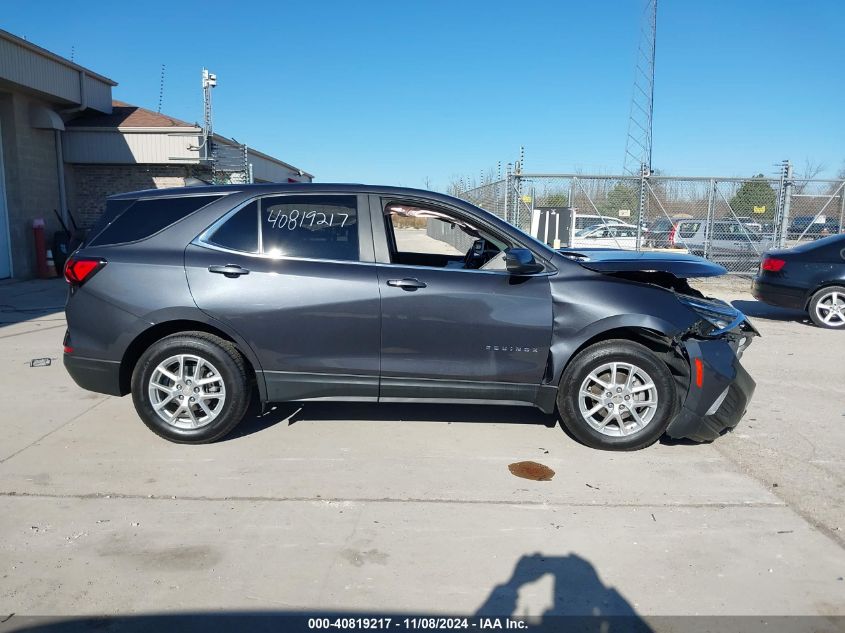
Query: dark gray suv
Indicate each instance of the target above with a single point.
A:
(196, 300)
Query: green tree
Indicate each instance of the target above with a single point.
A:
(621, 197)
(756, 192)
(553, 198)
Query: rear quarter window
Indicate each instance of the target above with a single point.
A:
(240, 231)
(145, 218)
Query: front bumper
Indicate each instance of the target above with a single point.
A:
(718, 404)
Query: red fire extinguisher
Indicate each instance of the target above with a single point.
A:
(41, 267)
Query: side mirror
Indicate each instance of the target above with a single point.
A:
(520, 261)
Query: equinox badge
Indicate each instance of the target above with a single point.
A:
(511, 348)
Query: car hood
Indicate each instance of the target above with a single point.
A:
(606, 260)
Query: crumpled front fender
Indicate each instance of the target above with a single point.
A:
(593, 304)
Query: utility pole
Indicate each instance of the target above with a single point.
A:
(784, 201)
(638, 145)
(209, 81)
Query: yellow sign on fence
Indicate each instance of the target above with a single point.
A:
(760, 209)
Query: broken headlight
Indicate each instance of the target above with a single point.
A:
(717, 317)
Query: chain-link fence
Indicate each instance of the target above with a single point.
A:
(229, 164)
(731, 221)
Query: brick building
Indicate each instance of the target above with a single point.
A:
(133, 148)
(65, 144)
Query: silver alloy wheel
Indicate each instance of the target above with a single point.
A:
(830, 308)
(618, 399)
(187, 391)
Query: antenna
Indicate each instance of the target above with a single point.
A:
(638, 143)
(161, 90)
(72, 51)
(209, 81)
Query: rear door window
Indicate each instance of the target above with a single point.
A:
(724, 231)
(313, 227)
(688, 229)
(145, 218)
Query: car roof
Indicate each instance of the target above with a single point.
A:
(835, 241)
(276, 187)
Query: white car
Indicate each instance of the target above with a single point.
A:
(583, 221)
(728, 242)
(606, 236)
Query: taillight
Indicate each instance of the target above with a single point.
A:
(773, 264)
(78, 270)
(672, 235)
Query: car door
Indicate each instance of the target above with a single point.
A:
(722, 242)
(590, 238)
(741, 247)
(624, 237)
(449, 333)
(294, 276)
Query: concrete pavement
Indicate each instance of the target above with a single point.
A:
(405, 508)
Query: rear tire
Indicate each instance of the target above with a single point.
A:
(617, 395)
(191, 387)
(827, 308)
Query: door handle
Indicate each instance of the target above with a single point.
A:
(406, 284)
(229, 270)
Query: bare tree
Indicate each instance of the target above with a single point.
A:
(837, 186)
(458, 184)
(811, 170)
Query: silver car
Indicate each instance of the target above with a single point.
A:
(729, 242)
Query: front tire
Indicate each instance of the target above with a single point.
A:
(827, 308)
(191, 388)
(617, 395)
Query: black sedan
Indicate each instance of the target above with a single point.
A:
(809, 277)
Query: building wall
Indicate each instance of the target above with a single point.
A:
(112, 147)
(31, 176)
(265, 170)
(24, 66)
(88, 186)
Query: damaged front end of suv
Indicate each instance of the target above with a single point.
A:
(700, 338)
(720, 387)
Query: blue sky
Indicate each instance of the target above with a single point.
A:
(408, 92)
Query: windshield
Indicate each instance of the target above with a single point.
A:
(585, 231)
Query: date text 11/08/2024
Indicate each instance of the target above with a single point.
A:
(427, 623)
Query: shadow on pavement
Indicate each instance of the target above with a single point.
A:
(665, 440)
(576, 591)
(305, 412)
(577, 601)
(760, 310)
(36, 300)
